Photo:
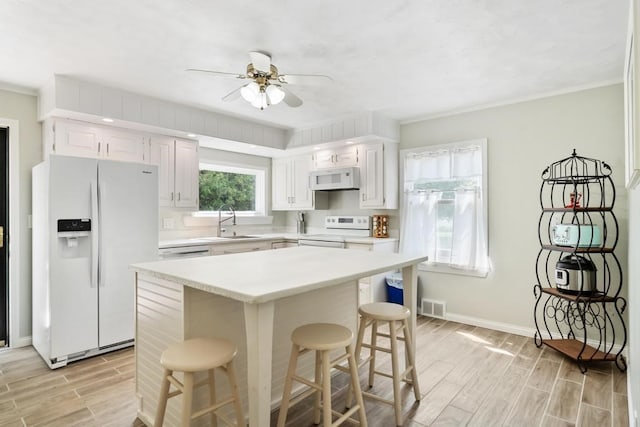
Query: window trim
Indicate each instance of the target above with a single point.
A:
(438, 267)
(260, 193)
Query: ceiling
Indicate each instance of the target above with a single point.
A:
(405, 59)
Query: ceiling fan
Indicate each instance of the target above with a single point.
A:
(266, 86)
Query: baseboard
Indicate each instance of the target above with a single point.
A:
(491, 324)
(513, 329)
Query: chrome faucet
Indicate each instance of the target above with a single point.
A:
(220, 220)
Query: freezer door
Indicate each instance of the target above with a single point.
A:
(73, 297)
(128, 200)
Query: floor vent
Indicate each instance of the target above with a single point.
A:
(433, 308)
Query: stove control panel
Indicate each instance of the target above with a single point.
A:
(348, 222)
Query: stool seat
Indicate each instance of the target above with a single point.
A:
(322, 336)
(198, 354)
(384, 311)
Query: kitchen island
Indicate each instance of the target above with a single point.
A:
(254, 299)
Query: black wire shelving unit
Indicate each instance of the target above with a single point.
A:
(587, 326)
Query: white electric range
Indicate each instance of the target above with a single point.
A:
(337, 227)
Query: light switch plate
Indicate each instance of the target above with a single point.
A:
(168, 223)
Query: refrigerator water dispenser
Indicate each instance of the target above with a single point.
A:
(73, 238)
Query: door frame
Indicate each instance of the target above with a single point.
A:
(15, 294)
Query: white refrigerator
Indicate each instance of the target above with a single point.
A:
(91, 220)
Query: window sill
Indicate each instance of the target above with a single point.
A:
(451, 270)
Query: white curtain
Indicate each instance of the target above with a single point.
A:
(419, 210)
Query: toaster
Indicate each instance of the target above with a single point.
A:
(582, 236)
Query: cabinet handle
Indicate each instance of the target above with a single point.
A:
(363, 197)
(178, 196)
(99, 144)
(172, 196)
(107, 149)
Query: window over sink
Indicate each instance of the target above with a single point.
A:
(444, 208)
(241, 187)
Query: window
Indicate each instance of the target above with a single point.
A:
(444, 209)
(242, 188)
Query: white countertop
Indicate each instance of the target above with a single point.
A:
(257, 237)
(257, 277)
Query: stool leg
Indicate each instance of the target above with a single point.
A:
(361, 330)
(162, 400)
(237, 405)
(317, 395)
(355, 386)
(326, 389)
(286, 393)
(212, 396)
(374, 343)
(409, 351)
(395, 372)
(187, 398)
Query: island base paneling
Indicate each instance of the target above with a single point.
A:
(169, 312)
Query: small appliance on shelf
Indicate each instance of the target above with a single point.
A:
(380, 226)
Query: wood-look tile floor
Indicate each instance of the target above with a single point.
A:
(468, 376)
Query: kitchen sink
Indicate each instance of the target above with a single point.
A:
(239, 237)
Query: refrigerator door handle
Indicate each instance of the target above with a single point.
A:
(101, 269)
(94, 234)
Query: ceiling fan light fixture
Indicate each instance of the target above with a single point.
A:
(275, 94)
(250, 91)
(260, 101)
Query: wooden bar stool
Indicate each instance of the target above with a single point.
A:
(322, 338)
(189, 357)
(370, 315)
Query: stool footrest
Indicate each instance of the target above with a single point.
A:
(212, 408)
(346, 416)
(378, 398)
(307, 382)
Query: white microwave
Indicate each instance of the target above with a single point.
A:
(335, 179)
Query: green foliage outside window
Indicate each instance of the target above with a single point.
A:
(218, 188)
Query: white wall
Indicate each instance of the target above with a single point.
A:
(633, 376)
(22, 108)
(523, 139)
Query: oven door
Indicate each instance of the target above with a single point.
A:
(321, 243)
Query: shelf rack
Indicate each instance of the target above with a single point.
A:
(585, 325)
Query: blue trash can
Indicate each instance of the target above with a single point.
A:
(394, 288)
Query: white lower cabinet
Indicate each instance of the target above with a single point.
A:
(236, 248)
(290, 185)
(373, 289)
(280, 244)
(178, 171)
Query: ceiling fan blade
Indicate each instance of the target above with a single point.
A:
(233, 95)
(290, 98)
(305, 79)
(261, 62)
(219, 73)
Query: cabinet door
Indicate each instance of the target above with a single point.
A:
(161, 153)
(280, 184)
(341, 157)
(323, 159)
(302, 195)
(122, 146)
(346, 156)
(76, 140)
(372, 176)
(187, 171)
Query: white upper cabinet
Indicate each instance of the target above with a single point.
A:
(187, 171)
(290, 186)
(86, 140)
(338, 157)
(178, 171)
(379, 176)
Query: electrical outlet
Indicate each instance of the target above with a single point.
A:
(168, 223)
